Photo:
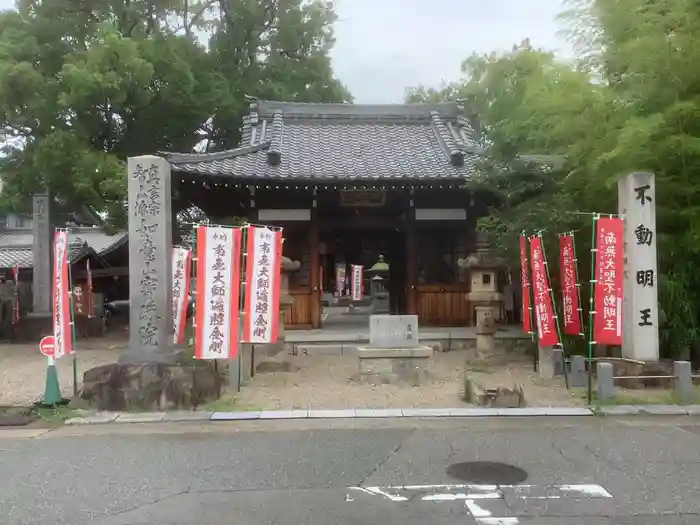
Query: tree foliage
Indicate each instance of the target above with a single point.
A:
(631, 102)
(84, 84)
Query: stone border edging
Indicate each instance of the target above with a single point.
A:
(368, 413)
(362, 413)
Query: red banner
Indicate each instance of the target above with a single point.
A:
(15, 307)
(525, 287)
(263, 276)
(63, 341)
(569, 286)
(607, 298)
(542, 300)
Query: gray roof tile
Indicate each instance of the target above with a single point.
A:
(336, 142)
(16, 246)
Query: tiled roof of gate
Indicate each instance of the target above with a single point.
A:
(16, 245)
(335, 142)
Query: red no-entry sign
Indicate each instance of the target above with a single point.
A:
(46, 346)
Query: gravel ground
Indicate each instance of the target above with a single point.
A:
(314, 382)
(330, 382)
(23, 368)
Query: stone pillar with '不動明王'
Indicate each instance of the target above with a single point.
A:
(640, 315)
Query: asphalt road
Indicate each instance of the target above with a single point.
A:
(590, 471)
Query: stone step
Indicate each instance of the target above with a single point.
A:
(350, 348)
(324, 348)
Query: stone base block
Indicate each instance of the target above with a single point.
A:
(381, 366)
(630, 368)
(151, 386)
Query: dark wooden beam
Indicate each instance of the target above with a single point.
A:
(314, 272)
(411, 267)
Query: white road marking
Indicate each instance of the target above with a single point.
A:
(475, 492)
(475, 510)
(390, 497)
(592, 491)
(487, 488)
(470, 494)
(460, 496)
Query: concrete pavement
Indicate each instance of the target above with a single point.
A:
(514, 471)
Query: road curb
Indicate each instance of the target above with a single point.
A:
(384, 413)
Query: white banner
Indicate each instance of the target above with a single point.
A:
(357, 283)
(264, 257)
(340, 279)
(182, 258)
(218, 288)
(63, 337)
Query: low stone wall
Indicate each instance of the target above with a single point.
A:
(394, 365)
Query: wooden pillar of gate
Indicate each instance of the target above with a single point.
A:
(314, 273)
(411, 260)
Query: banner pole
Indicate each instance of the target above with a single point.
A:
(71, 305)
(578, 286)
(193, 277)
(528, 290)
(235, 365)
(554, 311)
(591, 308)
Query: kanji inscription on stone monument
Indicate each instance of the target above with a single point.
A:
(637, 203)
(150, 258)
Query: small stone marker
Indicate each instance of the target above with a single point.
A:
(605, 380)
(683, 381)
(558, 361)
(393, 331)
(577, 374)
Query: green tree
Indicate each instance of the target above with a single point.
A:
(84, 85)
(630, 103)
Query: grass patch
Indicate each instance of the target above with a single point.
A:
(56, 415)
(228, 403)
(643, 397)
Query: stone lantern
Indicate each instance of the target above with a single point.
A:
(483, 268)
(378, 287)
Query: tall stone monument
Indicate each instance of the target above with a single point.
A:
(150, 261)
(640, 330)
(41, 253)
(150, 375)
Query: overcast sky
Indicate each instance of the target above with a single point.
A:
(384, 46)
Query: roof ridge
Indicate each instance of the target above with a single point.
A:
(446, 140)
(267, 108)
(184, 158)
(274, 154)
